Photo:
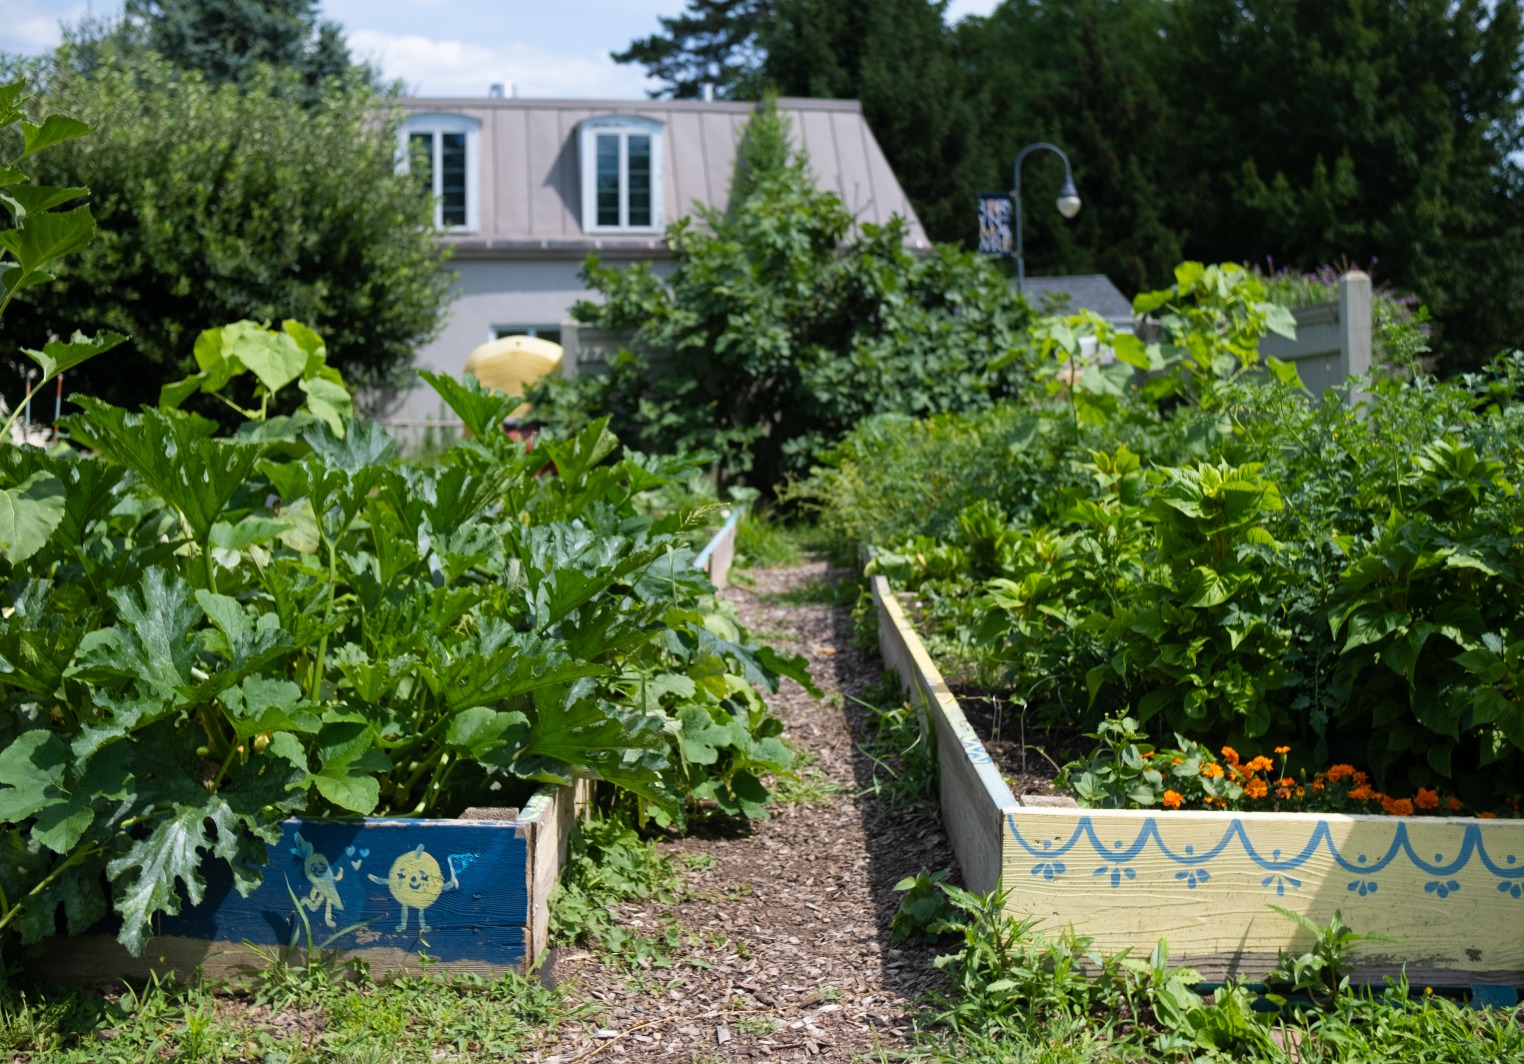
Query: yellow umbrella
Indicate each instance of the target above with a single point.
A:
(510, 364)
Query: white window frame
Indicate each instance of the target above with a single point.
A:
(437, 123)
(500, 331)
(587, 152)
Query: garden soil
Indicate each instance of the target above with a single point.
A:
(784, 939)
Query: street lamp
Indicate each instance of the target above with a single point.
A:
(1068, 202)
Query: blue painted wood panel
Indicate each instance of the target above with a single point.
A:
(454, 890)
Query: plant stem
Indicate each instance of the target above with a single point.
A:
(318, 664)
(76, 858)
(5, 430)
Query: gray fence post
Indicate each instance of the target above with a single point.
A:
(1355, 329)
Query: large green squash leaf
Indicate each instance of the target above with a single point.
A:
(29, 513)
(173, 453)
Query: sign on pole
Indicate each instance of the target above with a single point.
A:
(996, 236)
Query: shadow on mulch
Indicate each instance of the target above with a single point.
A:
(901, 842)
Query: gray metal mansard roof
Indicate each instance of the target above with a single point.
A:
(531, 194)
(1092, 291)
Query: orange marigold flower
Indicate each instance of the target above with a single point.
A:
(1283, 750)
(1260, 764)
(1301, 792)
(1488, 815)
(1211, 770)
(1453, 804)
(1283, 792)
(1178, 761)
(1172, 799)
(1317, 785)
(1361, 779)
(1338, 772)
(1396, 806)
(1362, 793)
(1230, 754)
(1426, 799)
(1256, 788)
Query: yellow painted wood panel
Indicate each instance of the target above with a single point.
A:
(1450, 890)
(974, 797)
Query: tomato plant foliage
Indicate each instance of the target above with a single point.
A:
(207, 633)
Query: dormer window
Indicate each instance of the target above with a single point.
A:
(621, 157)
(442, 150)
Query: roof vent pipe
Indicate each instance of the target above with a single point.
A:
(708, 92)
(495, 91)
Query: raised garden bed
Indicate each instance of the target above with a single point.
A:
(470, 894)
(1449, 890)
(465, 895)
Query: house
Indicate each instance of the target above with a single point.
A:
(526, 189)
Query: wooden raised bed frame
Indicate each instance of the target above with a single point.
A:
(1449, 890)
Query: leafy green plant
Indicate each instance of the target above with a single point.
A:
(924, 905)
(41, 234)
(1321, 973)
(1218, 555)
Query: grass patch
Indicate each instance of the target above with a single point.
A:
(356, 1019)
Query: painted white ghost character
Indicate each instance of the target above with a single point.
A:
(323, 877)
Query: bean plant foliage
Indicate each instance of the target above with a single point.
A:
(206, 633)
(1222, 556)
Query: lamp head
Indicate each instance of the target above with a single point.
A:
(1068, 200)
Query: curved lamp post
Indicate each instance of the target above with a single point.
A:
(1068, 201)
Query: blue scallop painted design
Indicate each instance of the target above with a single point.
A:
(1120, 853)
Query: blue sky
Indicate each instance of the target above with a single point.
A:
(545, 48)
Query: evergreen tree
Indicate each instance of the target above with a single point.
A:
(1344, 129)
(226, 41)
(713, 43)
(893, 56)
(1078, 75)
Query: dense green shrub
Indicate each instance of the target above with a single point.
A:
(1224, 556)
(219, 203)
(782, 326)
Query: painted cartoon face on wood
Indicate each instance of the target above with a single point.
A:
(324, 880)
(416, 882)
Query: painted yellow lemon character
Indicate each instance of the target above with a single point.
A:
(416, 882)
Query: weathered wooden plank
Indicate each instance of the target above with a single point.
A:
(460, 895)
(720, 552)
(974, 797)
(1448, 890)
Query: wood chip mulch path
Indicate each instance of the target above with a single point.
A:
(785, 947)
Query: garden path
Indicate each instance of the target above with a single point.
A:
(785, 948)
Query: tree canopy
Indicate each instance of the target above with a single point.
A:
(1299, 131)
(226, 41)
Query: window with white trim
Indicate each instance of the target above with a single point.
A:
(541, 332)
(442, 150)
(621, 161)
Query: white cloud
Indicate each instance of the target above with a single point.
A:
(31, 26)
(960, 9)
(433, 67)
